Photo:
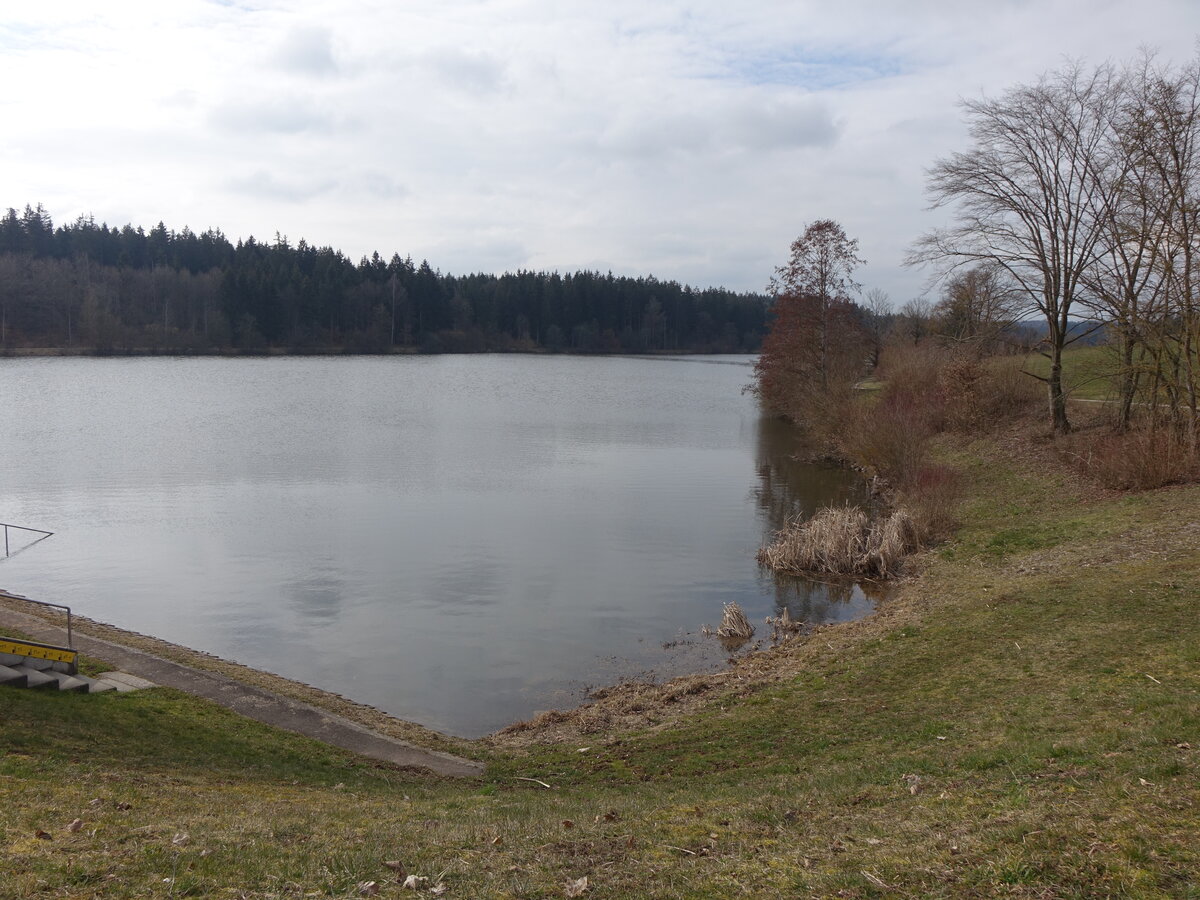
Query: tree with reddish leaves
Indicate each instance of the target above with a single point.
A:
(817, 347)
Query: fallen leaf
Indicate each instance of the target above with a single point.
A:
(396, 866)
(44, 835)
(576, 888)
(368, 888)
(1144, 783)
(124, 805)
(611, 816)
(567, 823)
(415, 882)
(438, 889)
(180, 839)
(95, 802)
(75, 825)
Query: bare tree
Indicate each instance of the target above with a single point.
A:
(1029, 198)
(1172, 140)
(916, 316)
(878, 315)
(977, 306)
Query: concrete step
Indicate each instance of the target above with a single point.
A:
(97, 686)
(124, 682)
(35, 678)
(11, 676)
(27, 676)
(69, 682)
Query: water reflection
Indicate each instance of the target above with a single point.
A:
(789, 487)
(317, 597)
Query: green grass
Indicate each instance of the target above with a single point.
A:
(1023, 720)
(1089, 373)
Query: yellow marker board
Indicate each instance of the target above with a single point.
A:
(37, 651)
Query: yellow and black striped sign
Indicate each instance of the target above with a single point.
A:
(37, 651)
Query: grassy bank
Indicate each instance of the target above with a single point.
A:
(1022, 720)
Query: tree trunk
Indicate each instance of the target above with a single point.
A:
(1058, 399)
(1128, 382)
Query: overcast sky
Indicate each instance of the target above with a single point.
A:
(691, 140)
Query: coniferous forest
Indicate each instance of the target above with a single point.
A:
(87, 287)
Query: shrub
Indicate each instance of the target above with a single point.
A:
(889, 437)
(931, 500)
(1140, 459)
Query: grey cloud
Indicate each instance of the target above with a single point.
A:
(483, 253)
(731, 125)
(379, 186)
(281, 115)
(784, 125)
(307, 51)
(262, 184)
(472, 73)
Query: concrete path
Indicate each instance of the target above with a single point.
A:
(252, 702)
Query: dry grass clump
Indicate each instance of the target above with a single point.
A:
(844, 541)
(734, 624)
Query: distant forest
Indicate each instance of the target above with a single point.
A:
(125, 290)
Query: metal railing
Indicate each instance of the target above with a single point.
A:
(62, 606)
(44, 534)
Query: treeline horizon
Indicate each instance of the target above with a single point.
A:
(125, 290)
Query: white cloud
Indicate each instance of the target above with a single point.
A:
(693, 140)
(307, 50)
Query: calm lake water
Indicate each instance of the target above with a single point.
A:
(459, 540)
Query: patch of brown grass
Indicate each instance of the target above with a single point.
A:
(1141, 459)
(844, 541)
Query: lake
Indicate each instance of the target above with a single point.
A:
(458, 540)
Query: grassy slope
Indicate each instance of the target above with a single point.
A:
(1024, 720)
(1088, 372)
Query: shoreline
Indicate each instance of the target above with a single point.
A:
(361, 714)
(273, 352)
(603, 713)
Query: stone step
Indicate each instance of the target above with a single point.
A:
(35, 678)
(69, 682)
(11, 676)
(97, 686)
(124, 682)
(28, 676)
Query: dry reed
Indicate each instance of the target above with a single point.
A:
(843, 541)
(734, 623)
(784, 625)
